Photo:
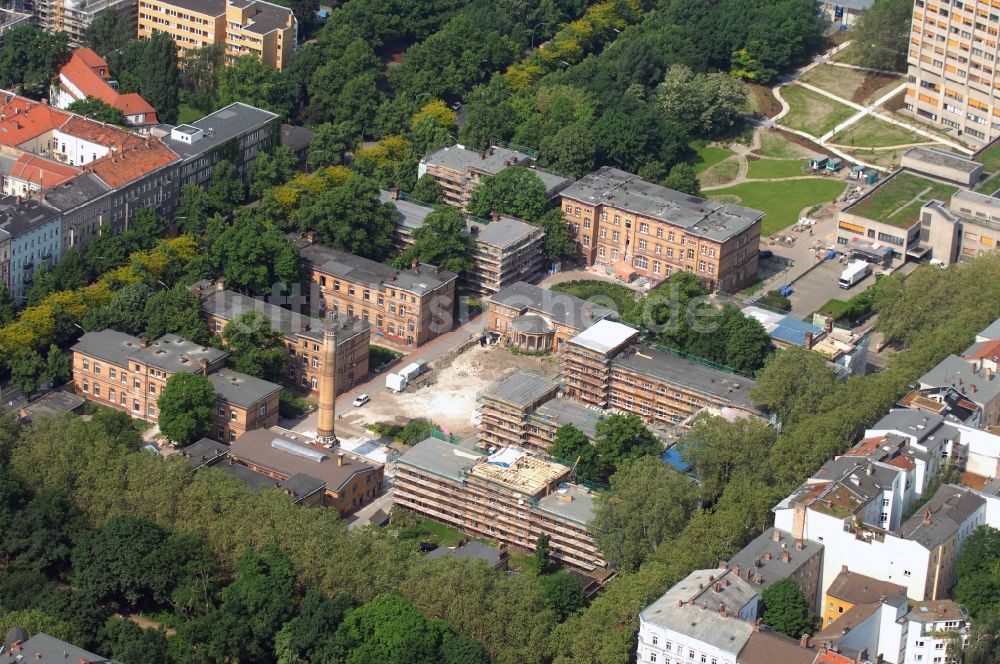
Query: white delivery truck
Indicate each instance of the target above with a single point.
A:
(412, 370)
(855, 272)
(395, 382)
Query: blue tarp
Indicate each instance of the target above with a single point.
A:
(793, 331)
(673, 457)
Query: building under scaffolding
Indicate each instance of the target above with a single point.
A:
(74, 16)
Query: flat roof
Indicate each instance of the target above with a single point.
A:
(560, 307)
(566, 411)
(223, 125)
(570, 503)
(503, 232)
(723, 385)
(241, 389)
(459, 158)
(605, 336)
(175, 354)
(440, 458)
(229, 304)
(256, 481)
(207, 7)
(938, 157)
(471, 550)
(521, 389)
(296, 454)
(938, 610)
(56, 402)
(554, 183)
(349, 267)
(519, 471)
(898, 198)
(783, 327)
(109, 345)
(697, 216)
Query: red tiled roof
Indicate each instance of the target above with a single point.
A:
(903, 462)
(82, 70)
(45, 172)
(866, 447)
(23, 120)
(989, 349)
(134, 159)
(830, 657)
(95, 132)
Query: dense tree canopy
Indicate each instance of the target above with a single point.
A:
(350, 216)
(882, 34)
(514, 191)
(185, 407)
(30, 58)
(254, 347)
(442, 240)
(254, 254)
(786, 609)
(98, 110)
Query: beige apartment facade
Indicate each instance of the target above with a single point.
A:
(245, 27)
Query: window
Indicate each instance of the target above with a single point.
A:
(670, 237)
(652, 656)
(906, 572)
(112, 395)
(151, 410)
(643, 228)
(314, 383)
(600, 251)
(97, 367)
(641, 262)
(152, 388)
(86, 385)
(701, 266)
(603, 234)
(642, 244)
(586, 241)
(86, 364)
(670, 252)
(615, 236)
(315, 363)
(367, 295)
(232, 414)
(576, 212)
(656, 268)
(659, 232)
(569, 209)
(136, 383)
(350, 291)
(655, 639)
(263, 410)
(97, 390)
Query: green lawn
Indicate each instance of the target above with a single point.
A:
(990, 158)
(760, 169)
(835, 308)
(871, 132)
(775, 143)
(722, 173)
(782, 202)
(707, 156)
(430, 530)
(899, 200)
(989, 185)
(812, 112)
(850, 55)
(187, 114)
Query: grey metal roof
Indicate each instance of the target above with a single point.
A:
(991, 332)
(557, 306)
(697, 216)
(554, 184)
(75, 192)
(44, 649)
(175, 354)
(347, 266)
(763, 557)
(204, 452)
(727, 387)
(490, 161)
(221, 126)
(409, 214)
(564, 411)
(440, 458)
(18, 218)
(521, 389)
(975, 386)
(571, 503)
(241, 389)
(229, 304)
(54, 403)
(109, 345)
(504, 232)
(698, 618)
(300, 486)
(266, 17)
(940, 518)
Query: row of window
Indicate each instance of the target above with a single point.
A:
(122, 399)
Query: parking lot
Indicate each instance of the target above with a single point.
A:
(814, 289)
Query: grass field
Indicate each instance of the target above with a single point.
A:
(990, 158)
(187, 114)
(723, 172)
(888, 159)
(760, 169)
(782, 202)
(775, 144)
(811, 112)
(850, 55)
(707, 156)
(857, 86)
(869, 132)
(989, 185)
(899, 200)
(439, 533)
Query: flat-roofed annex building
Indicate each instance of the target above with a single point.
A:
(405, 307)
(622, 222)
(246, 27)
(605, 367)
(510, 496)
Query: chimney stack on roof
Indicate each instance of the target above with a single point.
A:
(394, 193)
(143, 341)
(340, 458)
(786, 557)
(204, 366)
(805, 641)
(927, 516)
(495, 215)
(776, 535)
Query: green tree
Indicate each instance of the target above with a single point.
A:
(882, 34)
(119, 426)
(185, 407)
(705, 104)
(786, 609)
(26, 367)
(563, 593)
(8, 310)
(200, 76)
(571, 151)
(978, 572)
(427, 190)
(310, 636)
(226, 190)
(44, 282)
(351, 217)
(539, 561)
(58, 367)
(747, 344)
(270, 169)
(159, 75)
(127, 310)
(109, 32)
(390, 629)
(624, 437)
(515, 191)
(720, 451)
(795, 383)
(194, 209)
(254, 347)
(248, 80)
(253, 254)
(127, 642)
(175, 311)
(572, 446)
(441, 240)
(330, 143)
(70, 272)
(92, 107)
(649, 503)
(559, 242)
(683, 178)
(31, 57)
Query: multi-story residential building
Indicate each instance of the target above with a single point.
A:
(87, 75)
(635, 228)
(31, 174)
(459, 170)
(34, 240)
(43, 649)
(4, 258)
(951, 66)
(869, 633)
(850, 589)
(707, 616)
(407, 307)
(767, 647)
(975, 377)
(775, 555)
(936, 631)
(606, 368)
(301, 333)
(246, 27)
(509, 496)
(504, 251)
(536, 319)
(74, 16)
(309, 473)
(129, 374)
(10, 19)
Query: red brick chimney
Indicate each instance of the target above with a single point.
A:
(394, 193)
(805, 641)
(785, 557)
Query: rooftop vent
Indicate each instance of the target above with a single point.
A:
(298, 450)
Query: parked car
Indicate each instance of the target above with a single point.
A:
(361, 400)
